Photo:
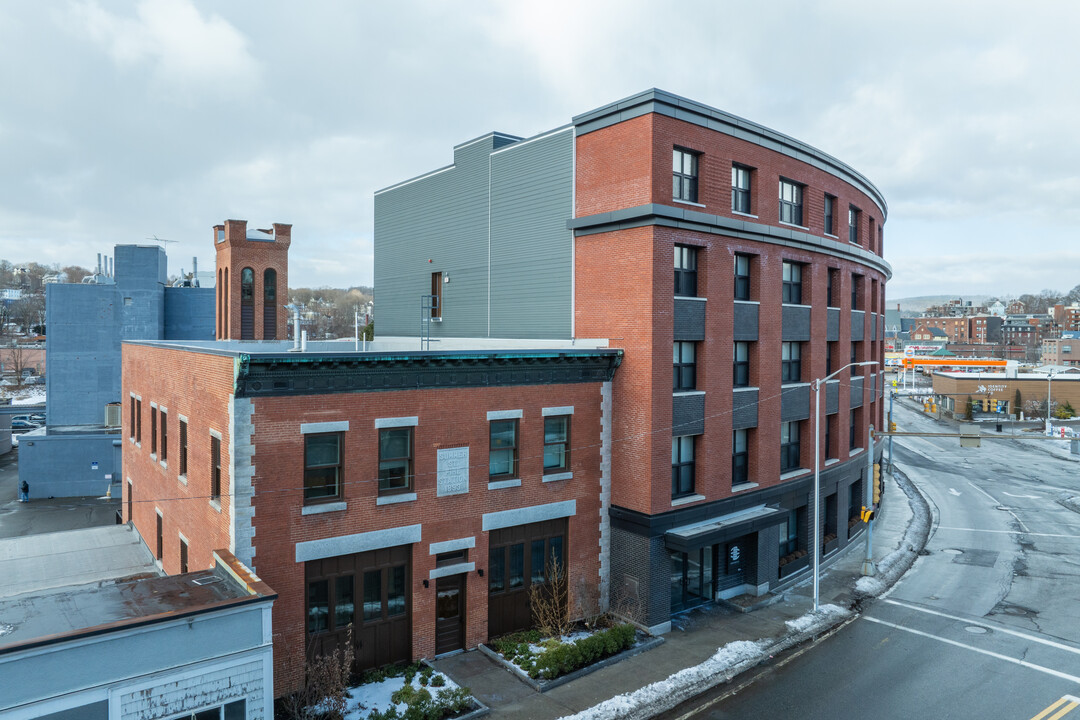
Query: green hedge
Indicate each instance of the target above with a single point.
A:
(567, 657)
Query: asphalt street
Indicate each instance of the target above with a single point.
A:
(985, 625)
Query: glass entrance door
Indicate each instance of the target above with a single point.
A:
(693, 576)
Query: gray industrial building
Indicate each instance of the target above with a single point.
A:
(78, 452)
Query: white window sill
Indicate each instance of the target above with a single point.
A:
(182, 479)
(164, 464)
(323, 508)
(793, 473)
(741, 389)
(830, 235)
(742, 214)
(687, 202)
(555, 477)
(689, 297)
(743, 486)
(501, 484)
(216, 504)
(831, 461)
(445, 570)
(854, 243)
(801, 227)
(436, 319)
(794, 384)
(153, 456)
(854, 452)
(685, 500)
(800, 305)
(395, 499)
(687, 393)
(749, 302)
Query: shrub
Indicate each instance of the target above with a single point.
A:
(567, 657)
(438, 681)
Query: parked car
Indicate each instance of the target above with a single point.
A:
(17, 424)
(26, 419)
(38, 418)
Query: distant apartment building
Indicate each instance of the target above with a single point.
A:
(1067, 317)
(955, 328)
(1024, 334)
(1064, 350)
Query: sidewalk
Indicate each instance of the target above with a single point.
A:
(695, 637)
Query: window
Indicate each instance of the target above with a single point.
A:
(742, 277)
(789, 446)
(436, 294)
(830, 421)
(740, 458)
(270, 304)
(247, 304)
(684, 167)
(740, 189)
(830, 214)
(851, 430)
(853, 224)
(322, 466)
(159, 548)
(395, 460)
(830, 354)
(685, 271)
(131, 501)
(183, 556)
(685, 375)
(138, 420)
(215, 468)
(451, 558)
(792, 290)
(833, 288)
(741, 377)
(131, 425)
(856, 296)
(682, 466)
(235, 710)
(870, 236)
(183, 447)
(503, 450)
(556, 443)
(791, 205)
(790, 362)
(789, 534)
(153, 430)
(318, 603)
(164, 434)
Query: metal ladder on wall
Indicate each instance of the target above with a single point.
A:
(428, 303)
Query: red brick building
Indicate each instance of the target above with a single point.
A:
(375, 488)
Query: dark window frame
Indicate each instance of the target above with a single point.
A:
(513, 449)
(853, 224)
(138, 422)
(791, 202)
(741, 365)
(436, 294)
(790, 362)
(564, 444)
(215, 468)
(153, 429)
(159, 546)
(830, 214)
(790, 450)
(741, 192)
(684, 372)
(316, 471)
(792, 288)
(163, 425)
(685, 177)
(740, 457)
(686, 265)
(131, 424)
(683, 468)
(388, 463)
(742, 279)
(183, 448)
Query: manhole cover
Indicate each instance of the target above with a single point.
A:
(976, 629)
(953, 551)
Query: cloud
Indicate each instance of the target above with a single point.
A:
(187, 50)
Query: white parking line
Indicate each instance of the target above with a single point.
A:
(995, 628)
(1008, 532)
(999, 656)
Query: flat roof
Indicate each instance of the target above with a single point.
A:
(397, 345)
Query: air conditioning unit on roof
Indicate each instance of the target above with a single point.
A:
(113, 416)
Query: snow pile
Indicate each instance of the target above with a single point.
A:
(896, 563)
(376, 696)
(727, 662)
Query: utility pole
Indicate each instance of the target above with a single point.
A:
(868, 567)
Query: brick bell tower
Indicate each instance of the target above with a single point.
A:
(252, 281)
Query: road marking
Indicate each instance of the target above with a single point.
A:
(995, 628)
(992, 498)
(1008, 532)
(1033, 497)
(999, 656)
(955, 492)
(1065, 705)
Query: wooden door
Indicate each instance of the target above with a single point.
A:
(449, 613)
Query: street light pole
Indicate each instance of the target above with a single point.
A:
(817, 471)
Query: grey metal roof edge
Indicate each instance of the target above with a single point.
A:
(182, 345)
(681, 108)
(421, 176)
(492, 133)
(663, 215)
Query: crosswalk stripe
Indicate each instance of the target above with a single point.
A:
(1051, 709)
(1067, 709)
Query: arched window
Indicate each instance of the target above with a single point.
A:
(225, 294)
(270, 304)
(220, 306)
(247, 304)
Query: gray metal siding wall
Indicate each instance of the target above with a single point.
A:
(744, 409)
(794, 403)
(856, 391)
(189, 313)
(83, 351)
(857, 318)
(832, 325)
(832, 397)
(70, 465)
(446, 218)
(531, 248)
(442, 218)
(689, 320)
(688, 414)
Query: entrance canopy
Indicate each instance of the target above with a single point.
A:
(715, 530)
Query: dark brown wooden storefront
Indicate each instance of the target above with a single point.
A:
(518, 559)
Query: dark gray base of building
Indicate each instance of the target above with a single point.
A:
(70, 462)
(663, 564)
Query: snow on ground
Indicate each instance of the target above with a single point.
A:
(376, 696)
(29, 395)
(728, 661)
(896, 563)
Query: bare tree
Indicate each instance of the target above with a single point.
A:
(13, 359)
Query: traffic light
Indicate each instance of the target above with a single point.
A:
(866, 514)
(985, 404)
(993, 406)
(877, 483)
(892, 427)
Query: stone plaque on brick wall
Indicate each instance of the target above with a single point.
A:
(453, 471)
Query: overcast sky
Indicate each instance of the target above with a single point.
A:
(120, 121)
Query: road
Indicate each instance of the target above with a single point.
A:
(985, 625)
